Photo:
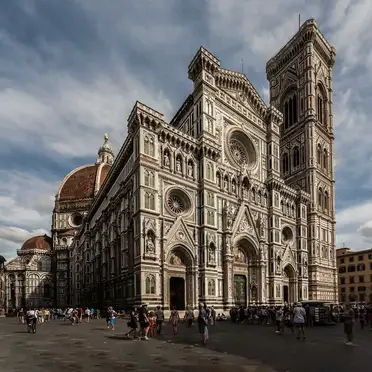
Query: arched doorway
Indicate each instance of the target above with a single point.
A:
(245, 282)
(179, 279)
(289, 284)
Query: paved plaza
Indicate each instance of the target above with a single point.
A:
(58, 346)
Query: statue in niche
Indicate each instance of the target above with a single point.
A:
(233, 187)
(277, 290)
(225, 185)
(262, 226)
(190, 170)
(166, 160)
(305, 269)
(278, 265)
(178, 165)
(212, 255)
(228, 246)
(245, 191)
(150, 246)
(230, 212)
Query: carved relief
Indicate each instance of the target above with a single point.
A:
(239, 256)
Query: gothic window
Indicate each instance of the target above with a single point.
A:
(209, 107)
(321, 105)
(209, 171)
(319, 155)
(325, 159)
(210, 218)
(285, 163)
(320, 197)
(152, 147)
(326, 201)
(296, 157)
(290, 110)
(210, 199)
(149, 201)
(211, 287)
(150, 284)
(147, 145)
(210, 125)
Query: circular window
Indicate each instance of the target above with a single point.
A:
(287, 235)
(178, 202)
(76, 220)
(241, 149)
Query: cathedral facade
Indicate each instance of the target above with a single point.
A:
(231, 202)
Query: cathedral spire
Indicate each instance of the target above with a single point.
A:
(105, 153)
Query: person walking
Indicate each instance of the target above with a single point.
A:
(349, 325)
(299, 318)
(203, 323)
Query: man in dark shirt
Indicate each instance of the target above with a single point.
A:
(203, 323)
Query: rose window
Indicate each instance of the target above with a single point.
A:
(177, 202)
(238, 152)
(241, 150)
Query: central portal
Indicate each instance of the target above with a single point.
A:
(240, 290)
(285, 293)
(177, 293)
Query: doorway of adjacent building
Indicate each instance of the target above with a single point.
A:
(240, 290)
(177, 293)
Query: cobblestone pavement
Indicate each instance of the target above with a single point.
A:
(58, 346)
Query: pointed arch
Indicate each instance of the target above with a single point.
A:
(321, 104)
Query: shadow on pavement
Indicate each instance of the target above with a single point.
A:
(122, 338)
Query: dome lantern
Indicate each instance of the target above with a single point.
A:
(105, 153)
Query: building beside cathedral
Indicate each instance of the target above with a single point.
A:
(231, 202)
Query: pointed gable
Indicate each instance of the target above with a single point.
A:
(288, 257)
(244, 223)
(179, 233)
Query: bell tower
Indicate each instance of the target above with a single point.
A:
(300, 78)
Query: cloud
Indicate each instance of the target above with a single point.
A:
(26, 205)
(71, 71)
(17, 235)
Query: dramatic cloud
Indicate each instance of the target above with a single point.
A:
(72, 70)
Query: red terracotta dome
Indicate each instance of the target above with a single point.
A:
(83, 182)
(43, 242)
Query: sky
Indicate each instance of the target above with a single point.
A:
(72, 70)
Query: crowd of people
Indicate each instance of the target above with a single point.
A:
(144, 323)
